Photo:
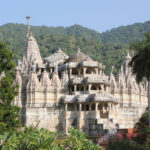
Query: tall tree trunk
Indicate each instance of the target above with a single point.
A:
(149, 103)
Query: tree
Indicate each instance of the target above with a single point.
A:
(9, 115)
(142, 128)
(140, 63)
(125, 145)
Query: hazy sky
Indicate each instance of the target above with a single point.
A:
(100, 15)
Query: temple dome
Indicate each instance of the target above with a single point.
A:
(78, 57)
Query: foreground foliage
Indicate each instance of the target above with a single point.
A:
(140, 64)
(126, 145)
(9, 115)
(42, 139)
(142, 129)
(77, 140)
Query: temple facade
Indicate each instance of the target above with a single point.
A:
(61, 91)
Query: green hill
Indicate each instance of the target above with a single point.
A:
(108, 47)
(126, 34)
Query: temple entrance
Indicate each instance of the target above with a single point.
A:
(95, 128)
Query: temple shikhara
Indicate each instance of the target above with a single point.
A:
(61, 91)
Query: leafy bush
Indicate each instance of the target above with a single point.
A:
(77, 140)
(126, 145)
(42, 139)
(142, 129)
(30, 139)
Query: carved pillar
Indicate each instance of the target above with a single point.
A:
(90, 107)
(84, 88)
(51, 70)
(75, 107)
(89, 87)
(66, 121)
(70, 71)
(96, 110)
(103, 108)
(84, 71)
(112, 107)
(80, 118)
(96, 69)
(75, 88)
(66, 107)
(99, 71)
(79, 72)
(109, 106)
(80, 107)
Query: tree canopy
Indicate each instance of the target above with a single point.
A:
(141, 61)
(9, 115)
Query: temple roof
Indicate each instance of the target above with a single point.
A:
(58, 57)
(78, 57)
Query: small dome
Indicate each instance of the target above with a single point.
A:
(78, 57)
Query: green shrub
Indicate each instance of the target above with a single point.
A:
(30, 139)
(126, 145)
(77, 140)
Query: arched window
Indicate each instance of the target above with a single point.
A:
(100, 87)
(88, 71)
(104, 87)
(100, 107)
(87, 88)
(78, 89)
(93, 87)
(93, 107)
(82, 88)
(72, 88)
(74, 71)
(87, 107)
(71, 107)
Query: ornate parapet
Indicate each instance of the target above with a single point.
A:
(89, 64)
(90, 79)
(72, 64)
(77, 80)
(40, 105)
(97, 79)
(92, 97)
(107, 97)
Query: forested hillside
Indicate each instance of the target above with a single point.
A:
(126, 34)
(108, 47)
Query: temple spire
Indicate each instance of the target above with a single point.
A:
(28, 17)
